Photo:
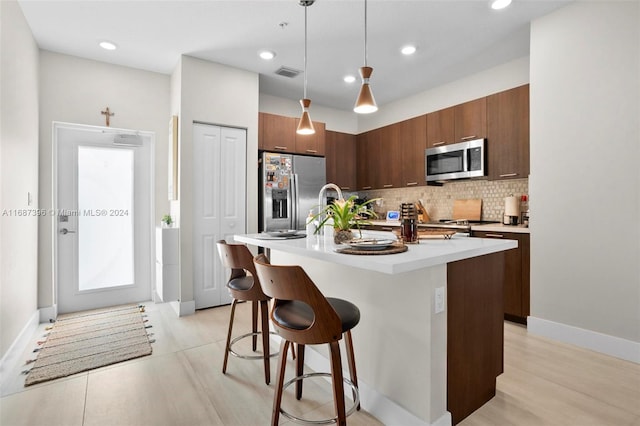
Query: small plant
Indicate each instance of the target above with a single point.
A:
(166, 219)
(346, 214)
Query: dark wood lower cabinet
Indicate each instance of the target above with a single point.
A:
(517, 270)
(475, 332)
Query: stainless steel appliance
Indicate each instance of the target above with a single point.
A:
(289, 186)
(462, 227)
(456, 161)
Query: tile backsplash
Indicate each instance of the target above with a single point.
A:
(438, 200)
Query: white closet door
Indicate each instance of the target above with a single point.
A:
(219, 205)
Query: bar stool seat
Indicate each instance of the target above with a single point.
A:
(299, 316)
(302, 315)
(241, 284)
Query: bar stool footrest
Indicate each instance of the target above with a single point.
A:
(235, 340)
(299, 420)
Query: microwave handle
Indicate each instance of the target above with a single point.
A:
(466, 160)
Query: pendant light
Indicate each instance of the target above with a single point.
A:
(365, 104)
(305, 126)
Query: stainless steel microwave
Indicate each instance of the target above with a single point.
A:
(456, 161)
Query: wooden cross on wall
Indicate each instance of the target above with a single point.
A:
(107, 115)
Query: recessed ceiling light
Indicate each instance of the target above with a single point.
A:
(349, 79)
(500, 4)
(408, 50)
(267, 55)
(107, 45)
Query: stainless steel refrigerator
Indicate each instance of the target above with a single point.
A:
(289, 186)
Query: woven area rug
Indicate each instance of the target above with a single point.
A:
(86, 340)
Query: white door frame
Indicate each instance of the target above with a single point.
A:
(53, 212)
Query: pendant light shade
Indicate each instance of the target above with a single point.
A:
(305, 126)
(366, 103)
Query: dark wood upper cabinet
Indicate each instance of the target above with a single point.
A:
(388, 162)
(340, 154)
(458, 123)
(368, 152)
(440, 126)
(508, 133)
(277, 133)
(412, 143)
(311, 144)
(471, 120)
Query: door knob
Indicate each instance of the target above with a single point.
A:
(65, 231)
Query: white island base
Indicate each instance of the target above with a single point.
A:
(400, 343)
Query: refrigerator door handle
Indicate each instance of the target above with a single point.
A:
(294, 198)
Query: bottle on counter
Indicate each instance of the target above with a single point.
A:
(311, 224)
(524, 199)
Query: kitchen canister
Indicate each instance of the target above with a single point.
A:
(511, 210)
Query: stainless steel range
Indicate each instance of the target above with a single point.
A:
(460, 226)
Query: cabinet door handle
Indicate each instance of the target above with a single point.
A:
(509, 175)
(438, 143)
(411, 183)
(313, 151)
(466, 138)
(494, 236)
(388, 185)
(386, 228)
(279, 147)
(346, 188)
(366, 187)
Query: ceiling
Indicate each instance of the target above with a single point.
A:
(454, 38)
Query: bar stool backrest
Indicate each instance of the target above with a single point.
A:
(291, 283)
(239, 259)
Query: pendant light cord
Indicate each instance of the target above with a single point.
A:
(365, 33)
(305, 52)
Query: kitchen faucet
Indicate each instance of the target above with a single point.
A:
(322, 201)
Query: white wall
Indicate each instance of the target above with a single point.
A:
(216, 94)
(75, 90)
(585, 179)
(18, 174)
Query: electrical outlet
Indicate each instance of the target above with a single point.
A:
(439, 300)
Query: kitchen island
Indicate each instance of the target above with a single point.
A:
(401, 342)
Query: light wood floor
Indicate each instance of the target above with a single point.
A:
(545, 383)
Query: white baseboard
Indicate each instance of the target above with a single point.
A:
(444, 420)
(183, 309)
(48, 314)
(375, 403)
(14, 353)
(599, 342)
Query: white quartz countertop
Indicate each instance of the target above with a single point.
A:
(499, 227)
(426, 254)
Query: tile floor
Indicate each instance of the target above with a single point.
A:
(181, 383)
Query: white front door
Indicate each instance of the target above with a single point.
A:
(219, 205)
(102, 217)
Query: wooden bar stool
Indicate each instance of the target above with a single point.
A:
(243, 285)
(302, 315)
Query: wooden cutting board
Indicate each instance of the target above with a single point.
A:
(467, 209)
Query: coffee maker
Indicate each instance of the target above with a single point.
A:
(511, 210)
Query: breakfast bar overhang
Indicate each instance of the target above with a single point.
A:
(415, 366)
